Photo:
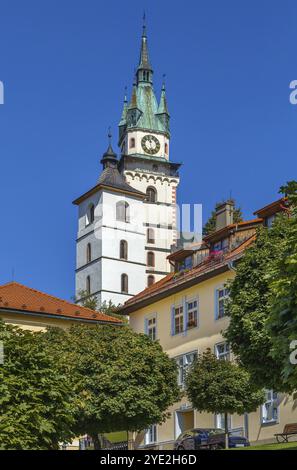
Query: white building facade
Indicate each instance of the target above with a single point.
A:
(127, 222)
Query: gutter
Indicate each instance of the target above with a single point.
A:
(59, 317)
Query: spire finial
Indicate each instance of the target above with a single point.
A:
(144, 24)
(109, 135)
(125, 95)
(163, 81)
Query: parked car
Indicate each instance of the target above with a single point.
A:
(207, 438)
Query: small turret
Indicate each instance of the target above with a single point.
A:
(163, 113)
(109, 158)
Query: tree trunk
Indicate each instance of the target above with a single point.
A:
(226, 432)
(96, 442)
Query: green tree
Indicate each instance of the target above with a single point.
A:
(282, 323)
(210, 225)
(86, 300)
(122, 380)
(261, 306)
(91, 302)
(35, 398)
(218, 386)
(249, 306)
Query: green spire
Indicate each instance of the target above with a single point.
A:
(163, 108)
(144, 71)
(163, 113)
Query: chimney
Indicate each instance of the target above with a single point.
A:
(224, 214)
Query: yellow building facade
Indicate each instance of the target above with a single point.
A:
(185, 313)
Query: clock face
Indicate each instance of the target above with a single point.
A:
(150, 144)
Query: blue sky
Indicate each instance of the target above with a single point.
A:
(64, 65)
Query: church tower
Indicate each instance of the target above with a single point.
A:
(144, 140)
(110, 261)
(127, 221)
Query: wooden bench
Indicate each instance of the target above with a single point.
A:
(289, 431)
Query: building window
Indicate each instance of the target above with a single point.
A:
(150, 235)
(88, 285)
(269, 221)
(150, 280)
(186, 263)
(132, 143)
(151, 259)
(220, 421)
(270, 408)
(183, 363)
(178, 320)
(166, 148)
(192, 314)
(90, 215)
(124, 283)
(151, 435)
(151, 327)
(221, 297)
(123, 249)
(122, 211)
(89, 253)
(151, 194)
(222, 351)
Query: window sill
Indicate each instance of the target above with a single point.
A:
(270, 423)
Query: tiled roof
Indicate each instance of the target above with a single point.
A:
(225, 230)
(173, 280)
(272, 208)
(15, 296)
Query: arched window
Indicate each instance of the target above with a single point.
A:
(123, 249)
(150, 235)
(151, 194)
(132, 143)
(166, 148)
(124, 283)
(88, 285)
(150, 280)
(122, 211)
(151, 259)
(90, 216)
(89, 253)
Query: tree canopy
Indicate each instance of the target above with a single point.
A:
(221, 386)
(262, 306)
(35, 403)
(121, 380)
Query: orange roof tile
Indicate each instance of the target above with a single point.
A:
(173, 279)
(15, 296)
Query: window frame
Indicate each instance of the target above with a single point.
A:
(89, 253)
(149, 239)
(226, 355)
(122, 212)
(88, 285)
(148, 328)
(152, 430)
(124, 247)
(150, 277)
(149, 199)
(125, 283)
(218, 301)
(275, 404)
(193, 309)
(153, 261)
(183, 364)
